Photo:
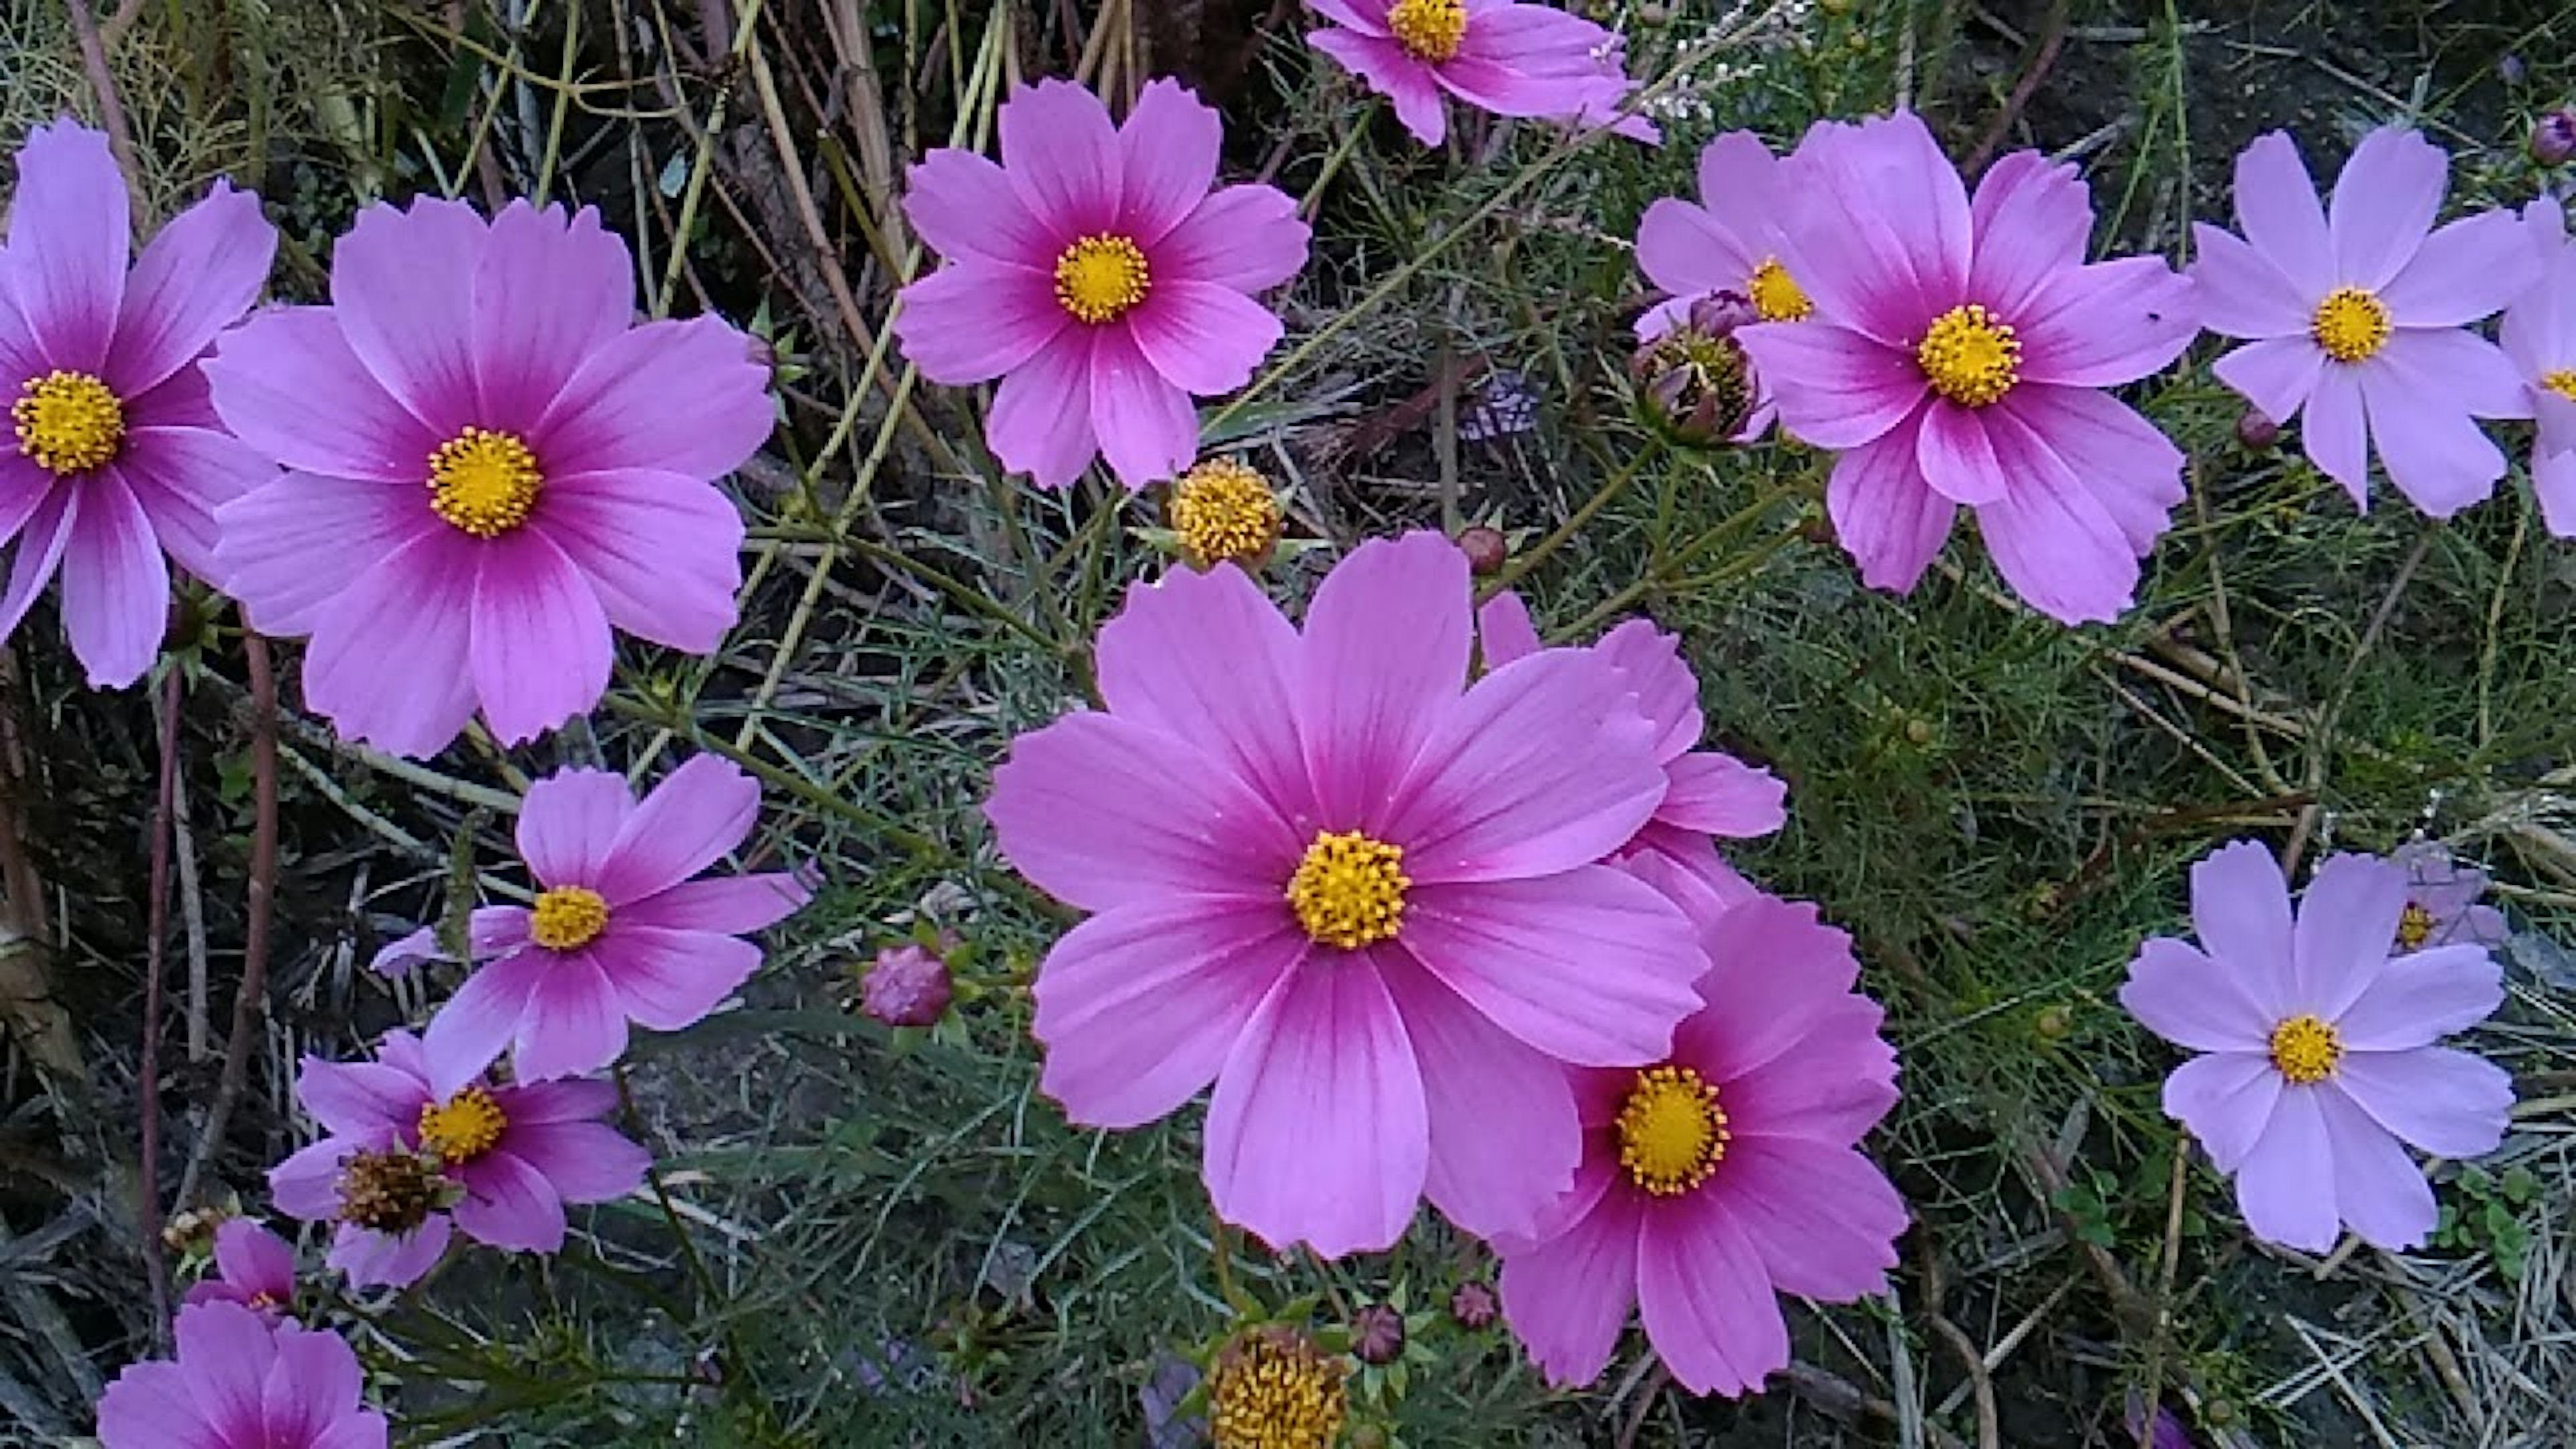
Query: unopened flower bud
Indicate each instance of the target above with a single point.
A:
(1473, 1304)
(1486, 549)
(1694, 383)
(907, 986)
(2255, 432)
(2553, 138)
(1377, 1334)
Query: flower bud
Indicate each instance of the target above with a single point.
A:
(1486, 549)
(2553, 138)
(1694, 383)
(908, 986)
(1377, 1334)
(2256, 433)
(1473, 1305)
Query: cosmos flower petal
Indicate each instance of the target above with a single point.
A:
(2553, 480)
(2226, 1099)
(2467, 271)
(1040, 423)
(730, 905)
(150, 1405)
(2459, 368)
(179, 478)
(402, 284)
(678, 397)
(1318, 1132)
(661, 551)
(685, 824)
(2188, 999)
(1384, 66)
(2284, 1184)
(2239, 292)
(1139, 1007)
(582, 1161)
(228, 1353)
(1775, 971)
(2032, 217)
(669, 978)
(2277, 375)
(2433, 450)
(2378, 1189)
(1147, 429)
(1836, 1085)
(1822, 1218)
(196, 277)
(388, 662)
(1592, 967)
(1721, 795)
(1568, 1298)
(1836, 388)
(357, 1099)
(1368, 695)
(303, 1183)
(41, 545)
(1167, 156)
(541, 649)
(2061, 550)
(2240, 909)
(574, 1023)
(1531, 60)
(287, 383)
(2384, 203)
(549, 292)
(1708, 1305)
(509, 1204)
(1957, 458)
(2446, 1102)
(2106, 324)
(1203, 338)
(1247, 238)
(1062, 157)
(1684, 249)
(253, 1258)
(2347, 928)
(1207, 657)
(481, 1019)
(1885, 516)
(2335, 431)
(972, 321)
(1368, 17)
(1504, 1138)
(1503, 630)
(116, 586)
(69, 241)
(568, 821)
(966, 208)
(2276, 202)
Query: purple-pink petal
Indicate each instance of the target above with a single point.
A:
(965, 207)
(2446, 1102)
(684, 825)
(2276, 202)
(1206, 657)
(1821, 1217)
(388, 664)
(359, 1099)
(1148, 430)
(2239, 292)
(2433, 449)
(1244, 237)
(509, 1204)
(116, 586)
(1062, 157)
(2240, 909)
(2032, 217)
(2466, 272)
(1385, 67)
(1836, 388)
(2384, 203)
(1706, 1302)
(196, 277)
(2277, 374)
(1568, 1297)
(287, 383)
(1721, 795)
(583, 1161)
(69, 240)
(568, 823)
(2192, 1001)
(731, 905)
(402, 284)
(1167, 156)
(1957, 458)
(1040, 423)
(677, 397)
(669, 979)
(2378, 1190)
(2422, 996)
(2061, 550)
(661, 551)
(2226, 1099)
(1368, 695)
(2109, 323)
(1504, 1137)
(972, 321)
(2346, 931)
(1884, 514)
(574, 1022)
(179, 476)
(541, 650)
(549, 291)
(481, 1019)
(1202, 337)
(2284, 1183)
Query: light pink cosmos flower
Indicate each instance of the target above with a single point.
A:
(2319, 1038)
(620, 931)
(1725, 1174)
(2443, 899)
(238, 1383)
(1736, 237)
(253, 1267)
(1706, 792)
(1498, 56)
(2539, 337)
(1957, 356)
(1358, 893)
(489, 466)
(1098, 277)
(2359, 315)
(113, 455)
(503, 1160)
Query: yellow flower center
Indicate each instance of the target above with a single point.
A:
(1273, 1391)
(391, 1192)
(68, 422)
(2306, 1049)
(1223, 510)
(483, 482)
(1672, 1133)
(1100, 277)
(2415, 927)
(2562, 382)
(1776, 295)
(2350, 324)
(463, 1127)
(1969, 357)
(1428, 29)
(1349, 890)
(568, 918)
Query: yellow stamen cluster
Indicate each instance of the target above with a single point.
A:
(1100, 277)
(2351, 324)
(463, 1127)
(484, 483)
(1672, 1133)
(1272, 1390)
(1969, 357)
(1349, 890)
(1776, 295)
(1223, 511)
(1428, 29)
(391, 1192)
(2306, 1049)
(568, 918)
(68, 422)
(2562, 382)
(2415, 927)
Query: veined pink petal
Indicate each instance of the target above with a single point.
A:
(2346, 931)
(2239, 292)
(2433, 449)
(2276, 375)
(2226, 1098)
(1685, 249)
(568, 823)
(2276, 202)
(1568, 1297)
(1835, 387)
(1649, 661)
(2106, 324)
(1384, 66)
(964, 206)
(400, 287)
(2469, 370)
(179, 477)
(548, 292)
(2188, 999)
(1545, 765)
(1822, 1219)
(1592, 967)
(2467, 271)
(379, 1260)
(1957, 458)
(2553, 481)
(1207, 657)
(2283, 1183)
(1504, 1139)
(301, 1185)
(732, 905)
(253, 1257)
(1318, 1132)
(1040, 423)
(541, 649)
(2129, 467)
(2240, 908)
(1902, 252)
(537, 1104)
(1203, 338)
(509, 1204)
(2053, 541)
(483, 1017)
(574, 1024)
(388, 661)
(116, 588)
(1707, 1304)
(1167, 154)
(149, 1406)
(1147, 429)
(1367, 695)
(685, 824)
(971, 321)
(1884, 514)
(661, 551)
(1140, 1006)
(1721, 795)
(2335, 431)
(1062, 157)
(24, 488)
(680, 397)
(1244, 237)
(2384, 203)
(1368, 17)
(1831, 1088)
(1100, 811)
(229, 1353)
(287, 383)
(489, 931)
(1504, 632)
(291, 547)
(69, 239)
(670, 979)
(198, 276)
(1531, 60)
(2032, 217)
(1775, 972)
(359, 1099)
(584, 1161)
(48, 532)
(2446, 1102)
(2378, 1189)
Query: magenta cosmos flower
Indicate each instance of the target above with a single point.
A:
(1736, 237)
(2359, 314)
(253, 1267)
(1706, 792)
(1098, 277)
(1510, 59)
(1957, 357)
(620, 930)
(402, 1158)
(488, 466)
(2539, 337)
(2319, 1040)
(238, 1383)
(1357, 893)
(116, 455)
(1724, 1175)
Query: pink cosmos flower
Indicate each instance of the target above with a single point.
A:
(1098, 277)
(2360, 317)
(402, 1158)
(2443, 904)
(1957, 356)
(620, 931)
(1706, 792)
(1736, 237)
(1725, 1174)
(238, 1383)
(253, 1267)
(488, 466)
(116, 456)
(1510, 59)
(2319, 1048)
(2539, 337)
(1358, 893)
